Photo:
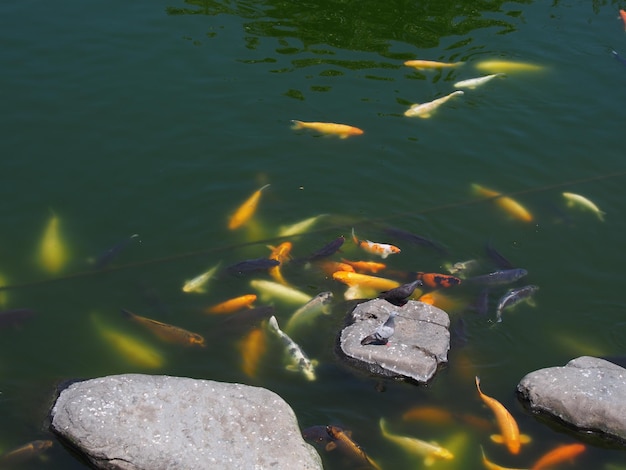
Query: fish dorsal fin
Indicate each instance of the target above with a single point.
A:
(497, 438)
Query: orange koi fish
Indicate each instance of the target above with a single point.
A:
(331, 267)
(558, 455)
(341, 439)
(510, 205)
(441, 300)
(381, 249)
(365, 281)
(342, 130)
(622, 13)
(365, 266)
(435, 280)
(489, 465)
(24, 453)
(165, 331)
(510, 435)
(429, 414)
(252, 348)
(430, 64)
(234, 304)
(280, 254)
(246, 210)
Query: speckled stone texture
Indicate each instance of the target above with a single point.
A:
(588, 393)
(149, 422)
(418, 346)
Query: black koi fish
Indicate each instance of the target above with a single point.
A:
(106, 257)
(496, 278)
(249, 265)
(326, 251)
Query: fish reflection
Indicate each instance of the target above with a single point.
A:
(165, 331)
(245, 212)
(24, 453)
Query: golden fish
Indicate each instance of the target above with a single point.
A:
(24, 453)
(365, 281)
(246, 210)
(431, 452)
(280, 254)
(430, 64)
(270, 290)
(234, 304)
(134, 351)
(252, 348)
(52, 251)
(510, 205)
(198, 283)
(440, 300)
(429, 414)
(489, 465)
(503, 66)
(425, 110)
(581, 201)
(341, 439)
(299, 227)
(342, 130)
(167, 332)
(365, 266)
(509, 432)
(330, 267)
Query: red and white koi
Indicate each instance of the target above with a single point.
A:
(381, 249)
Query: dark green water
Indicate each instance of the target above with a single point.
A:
(160, 118)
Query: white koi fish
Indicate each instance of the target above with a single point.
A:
(472, 83)
(581, 201)
(198, 283)
(299, 360)
(425, 110)
(305, 315)
(269, 290)
(299, 227)
(430, 451)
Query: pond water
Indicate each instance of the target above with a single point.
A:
(160, 118)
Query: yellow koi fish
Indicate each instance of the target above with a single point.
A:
(273, 290)
(430, 451)
(430, 64)
(381, 249)
(299, 227)
(366, 281)
(246, 210)
(584, 203)
(280, 254)
(252, 348)
(509, 432)
(425, 110)
(489, 465)
(511, 206)
(169, 333)
(505, 66)
(52, 251)
(134, 351)
(198, 283)
(3, 292)
(342, 130)
(234, 304)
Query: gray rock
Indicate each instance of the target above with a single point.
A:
(148, 422)
(420, 342)
(588, 393)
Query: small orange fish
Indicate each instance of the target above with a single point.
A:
(510, 435)
(365, 281)
(430, 64)
(365, 266)
(381, 249)
(510, 205)
(246, 210)
(331, 267)
(342, 130)
(429, 414)
(622, 13)
(439, 300)
(489, 465)
(234, 304)
(252, 348)
(280, 254)
(435, 280)
(558, 455)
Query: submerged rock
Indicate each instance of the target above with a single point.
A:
(420, 341)
(587, 393)
(138, 421)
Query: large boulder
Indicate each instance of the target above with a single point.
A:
(418, 346)
(138, 421)
(588, 393)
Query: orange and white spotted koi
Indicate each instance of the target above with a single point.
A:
(381, 249)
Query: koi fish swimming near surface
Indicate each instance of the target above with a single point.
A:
(246, 210)
(511, 206)
(381, 249)
(431, 64)
(576, 200)
(507, 66)
(472, 83)
(299, 361)
(198, 283)
(329, 128)
(425, 110)
(431, 452)
(165, 331)
(514, 297)
(233, 305)
(305, 315)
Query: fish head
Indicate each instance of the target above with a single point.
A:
(196, 339)
(443, 454)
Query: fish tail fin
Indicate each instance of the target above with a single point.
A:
(478, 384)
(356, 240)
(295, 124)
(274, 323)
(263, 187)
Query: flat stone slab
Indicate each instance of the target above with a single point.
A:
(587, 393)
(419, 344)
(136, 421)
